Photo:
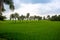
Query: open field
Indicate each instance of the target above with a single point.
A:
(30, 30)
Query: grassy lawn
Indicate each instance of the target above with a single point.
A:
(30, 30)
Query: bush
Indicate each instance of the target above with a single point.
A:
(2, 18)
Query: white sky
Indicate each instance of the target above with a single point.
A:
(42, 9)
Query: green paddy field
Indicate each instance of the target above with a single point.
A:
(30, 30)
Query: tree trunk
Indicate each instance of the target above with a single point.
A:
(1, 6)
(15, 20)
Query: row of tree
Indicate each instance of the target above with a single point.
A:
(53, 18)
(22, 17)
(28, 17)
(16, 16)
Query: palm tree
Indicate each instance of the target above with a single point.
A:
(35, 17)
(59, 17)
(39, 18)
(16, 15)
(31, 17)
(8, 2)
(28, 14)
(48, 17)
(22, 17)
(54, 18)
(44, 18)
(12, 16)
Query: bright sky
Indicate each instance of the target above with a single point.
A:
(35, 7)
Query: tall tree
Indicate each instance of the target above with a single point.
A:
(48, 17)
(35, 17)
(44, 18)
(8, 2)
(54, 18)
(22, 17)
(59, 17)
(16, 16)
(28, 14)
(39, 18)
(12, 16)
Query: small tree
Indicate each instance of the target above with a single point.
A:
(54, 18)
(35, 17)
(2, 18)
(22, 17)
(39, 18)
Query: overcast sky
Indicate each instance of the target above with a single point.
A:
(35, 7)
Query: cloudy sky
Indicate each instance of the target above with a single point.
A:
(35, 7)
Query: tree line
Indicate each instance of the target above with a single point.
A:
(22, 17)
(15, 16)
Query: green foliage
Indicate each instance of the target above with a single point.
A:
(28, 14)
(48, 17)
(44, 18)
(14, 16)
(10, 3)
(55, 18)
(22, 17)
(2, 18)
(37, 17)
(12, 7)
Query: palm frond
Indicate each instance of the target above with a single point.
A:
(10, 3)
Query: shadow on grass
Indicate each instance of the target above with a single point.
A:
(29, 36)
(13, 36)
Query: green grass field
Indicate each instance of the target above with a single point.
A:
(30, 30)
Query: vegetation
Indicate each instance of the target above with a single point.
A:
(28, 17)
(2, 9)
(9, 2)
(55, 18)
(48, 17)
(14, 16)
(28, 27)
(30, 30)
(22, 17)
(2, 18)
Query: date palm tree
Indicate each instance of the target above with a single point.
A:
(8, 2)
(22, 17)
(27, 16)
(44, 18)
(12, 16)
(16, 16)
(48, 17)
